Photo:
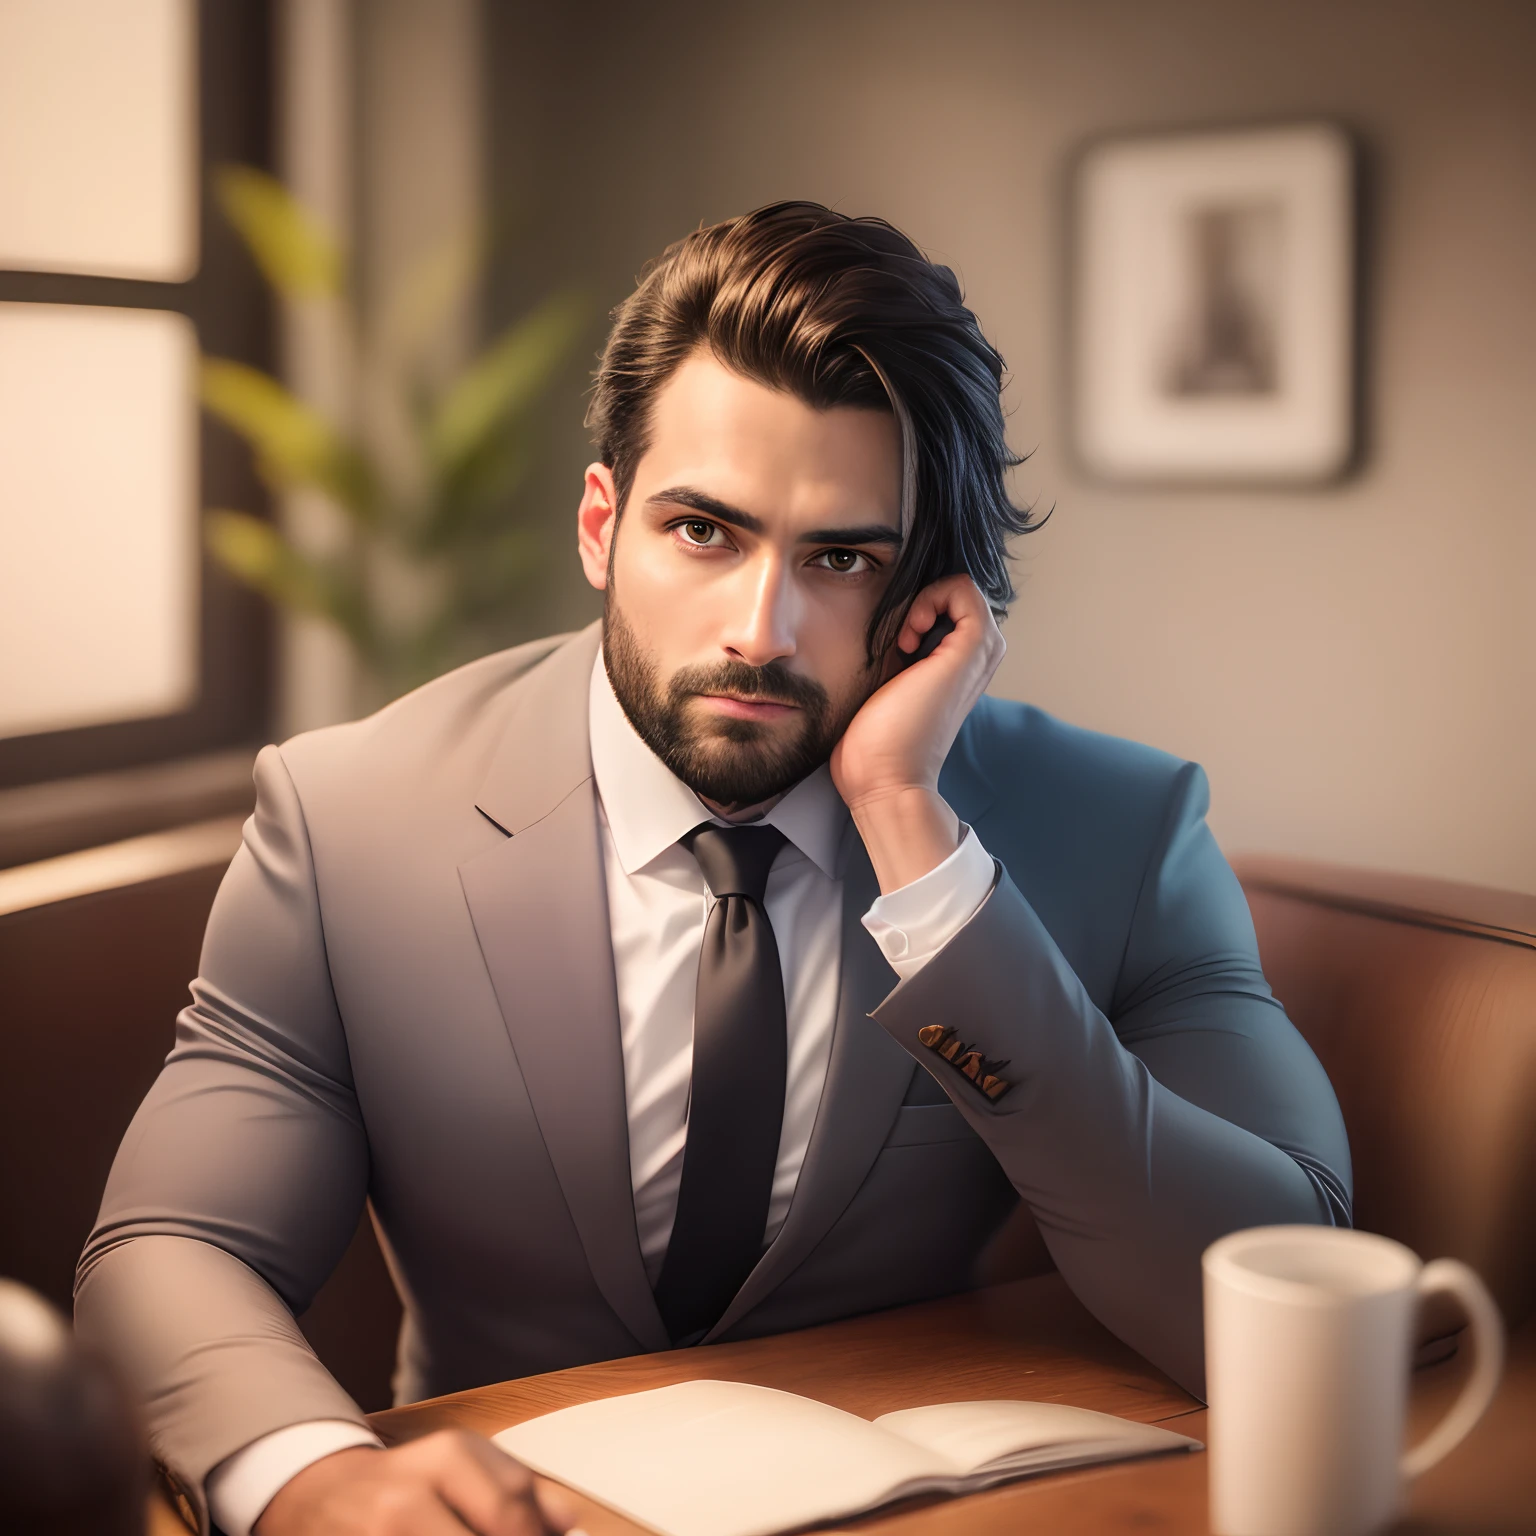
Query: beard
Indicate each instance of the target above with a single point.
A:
(729, 762)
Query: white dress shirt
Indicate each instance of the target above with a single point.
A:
(658, 904)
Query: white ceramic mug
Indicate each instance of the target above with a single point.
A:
(1309, 1334)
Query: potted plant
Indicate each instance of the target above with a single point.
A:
(438, 544)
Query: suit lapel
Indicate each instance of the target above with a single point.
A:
(868, 1074)
(540, 913)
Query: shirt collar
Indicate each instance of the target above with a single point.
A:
(648, 808)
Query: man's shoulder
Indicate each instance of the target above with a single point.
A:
(1019, 749)
(445, 729)
(1077, 818)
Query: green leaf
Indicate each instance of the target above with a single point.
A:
(257, 554)
(294, 444)
(505, 380)
(295, 253)
(294, 440)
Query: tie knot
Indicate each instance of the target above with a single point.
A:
(735, 860)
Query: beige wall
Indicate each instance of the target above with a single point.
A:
(1356, 667)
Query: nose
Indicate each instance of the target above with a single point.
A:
(762, 625)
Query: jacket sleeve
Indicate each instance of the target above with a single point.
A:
(1138, 1136)
(242, 1176)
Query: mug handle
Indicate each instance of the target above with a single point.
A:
(1452, 1277)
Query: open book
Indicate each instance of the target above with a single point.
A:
(720, 1458)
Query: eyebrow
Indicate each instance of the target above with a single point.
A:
(735, 517)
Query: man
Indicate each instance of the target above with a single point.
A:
(732, 970)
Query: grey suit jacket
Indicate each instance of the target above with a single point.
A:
(407, 996)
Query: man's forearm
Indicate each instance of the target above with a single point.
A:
(1127, 1180)
(208, 1346)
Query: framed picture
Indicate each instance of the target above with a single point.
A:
(1213, 313)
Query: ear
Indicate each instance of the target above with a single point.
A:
(596, 518)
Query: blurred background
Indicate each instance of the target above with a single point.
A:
(299, 300)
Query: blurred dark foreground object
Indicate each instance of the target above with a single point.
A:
(73, 1461)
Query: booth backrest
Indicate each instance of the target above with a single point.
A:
(1419, 997)
(90, 986)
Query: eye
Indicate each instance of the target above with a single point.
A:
(697, 532)
(846, 562)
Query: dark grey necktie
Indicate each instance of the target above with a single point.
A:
(736, 1102)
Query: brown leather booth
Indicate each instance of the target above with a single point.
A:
(90, 986)
(1418, 995)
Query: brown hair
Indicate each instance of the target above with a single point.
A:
(837, 311)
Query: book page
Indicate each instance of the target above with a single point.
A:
(976, 1436)
(721, 1458)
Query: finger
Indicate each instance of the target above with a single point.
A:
(560, 1508)
(920, 618)
(972, 617)
(491, 1499)
(961, 598)
(508, 1471)
(417, 1511)
(546, 1506)
(957, 597)
(555, 1507)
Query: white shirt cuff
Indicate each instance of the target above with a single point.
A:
(242, 1485)
(913, 924)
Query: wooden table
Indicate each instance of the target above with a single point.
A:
(1030, 1339)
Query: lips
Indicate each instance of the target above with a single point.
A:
(747, 708)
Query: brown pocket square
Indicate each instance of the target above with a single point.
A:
(981, 1070)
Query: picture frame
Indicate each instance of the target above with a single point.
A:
(1213, 306)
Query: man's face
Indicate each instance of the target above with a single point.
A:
(756, 540)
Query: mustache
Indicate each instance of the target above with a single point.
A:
(772, 683)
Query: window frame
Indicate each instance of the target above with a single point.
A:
(233, 315)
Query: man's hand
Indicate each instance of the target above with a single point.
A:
(445, 1484)
(887, 765)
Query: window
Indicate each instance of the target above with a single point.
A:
(120, 644)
